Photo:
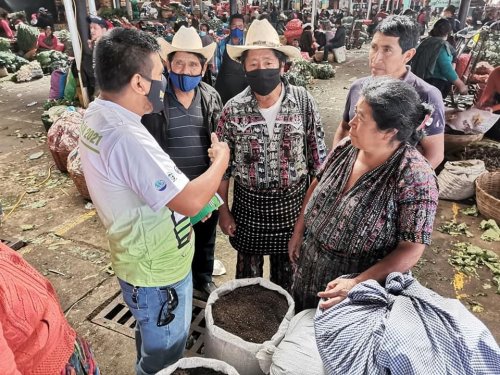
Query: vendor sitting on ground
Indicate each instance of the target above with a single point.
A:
(5, 30)
(337, 41)
(35, 337)
(307, 42)
(433, 60)
(48, 41)
(371, 209)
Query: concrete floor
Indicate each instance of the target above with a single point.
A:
(67, 241)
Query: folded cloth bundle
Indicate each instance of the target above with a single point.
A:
(401, 329)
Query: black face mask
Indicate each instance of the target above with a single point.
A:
(263, 81)
(156, 94)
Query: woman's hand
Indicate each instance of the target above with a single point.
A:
(294, 246)
(336, 291)
(226, 222)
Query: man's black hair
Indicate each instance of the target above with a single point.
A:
(120, 54)
(403, 28)
(236, 16)
(200, 57)
(98, 20)
(441, 28)
(282, 58)
(179, 24)
(451, 8)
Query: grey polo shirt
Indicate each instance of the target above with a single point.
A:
(428, 94)
(188, 138)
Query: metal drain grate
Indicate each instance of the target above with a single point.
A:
(117, 317)
(13, 243)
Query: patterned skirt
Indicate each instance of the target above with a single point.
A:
(317, 267)
(82, 362)
(265, 219)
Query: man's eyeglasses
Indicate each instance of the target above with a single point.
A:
(166, 316)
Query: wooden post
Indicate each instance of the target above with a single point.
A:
(92, 8)
(75, 41)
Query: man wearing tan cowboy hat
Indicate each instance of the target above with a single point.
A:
(276, 139)
(190, 113)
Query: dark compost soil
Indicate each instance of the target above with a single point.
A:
(253, 313)
(490, 156)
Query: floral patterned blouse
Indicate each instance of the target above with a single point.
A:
(260, 160)
(351, 231)
(395, 202)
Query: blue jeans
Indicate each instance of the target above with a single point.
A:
(158, 347)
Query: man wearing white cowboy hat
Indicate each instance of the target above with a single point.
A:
(276, 139)
(183, 128)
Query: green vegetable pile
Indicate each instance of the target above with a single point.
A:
(492, 49)
(11, 61)
(302, 72)
(52, 60)
(467, 258)
(470, 211)
(4, 44)
(52, 103)
(215, 24)
(26, 37)
(63, 35)
(323, 71)
(65, 38)
(491, 230)
(455, 229)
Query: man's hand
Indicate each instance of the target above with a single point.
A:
(461, 87)
(336, 291)
(218, 151)
(226, 222)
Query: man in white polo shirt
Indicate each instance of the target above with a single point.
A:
(143, 200)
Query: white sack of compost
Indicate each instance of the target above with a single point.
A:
(403, 328)
(197, 362)
(340, 54)
(297, 354)
(456, 180)
(246, 357)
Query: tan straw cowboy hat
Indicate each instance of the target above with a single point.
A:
(186, 40)
(261, 34)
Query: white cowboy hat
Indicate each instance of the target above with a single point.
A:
(260, 35)
(186, 40)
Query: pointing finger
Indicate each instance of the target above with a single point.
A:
(214, 138)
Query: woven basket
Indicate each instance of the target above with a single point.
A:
(453, 142)
(488, 195)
